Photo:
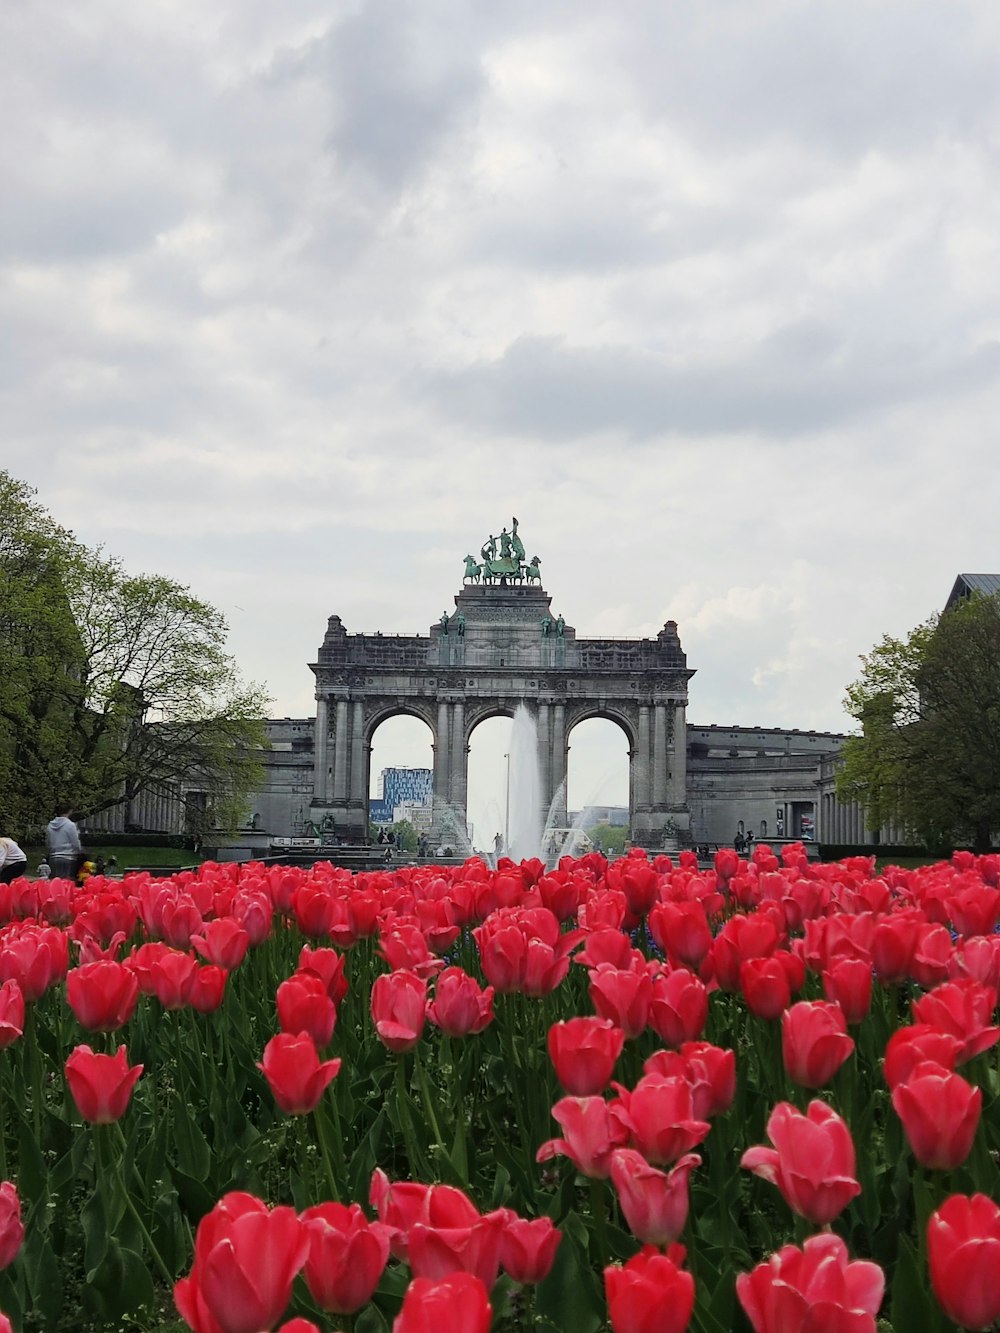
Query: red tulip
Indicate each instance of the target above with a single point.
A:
(678, 1010)
(727, 863)
(623, 997)
(180, 920)
(608, 945)
(979, 959)
(940, 1113)
(328, 964)
(893, 943)
(459, 1007)
(254, 913)
(11, 1226)
(814, 1042)
(398, 1004)
(655, 1203)
(640, 884)
(304, 1006)
(223, 942)
(812, 1161)
(811, 1289)
(208, 986)
(404, 1204)
(458, 1303)
(710, 1072)
(524, 949)
(592, 1134)
(651, 1293)
(659, 1119)
(11, 1013)
(932, 955)
(33, 957)
(313, 907)
(963, 1250)
(435, 1250)
(171, 976)
(102, 995)
(528, 1248)
(974, 910)
(848, 982)
(917, 1044)
(682, 931)
(347, 1256)
(766, 984)
(245, 1261)
(584, 1051)
(292, 1067)
(743, 937)
(403, 946)
(963, 1009)
(101, 1084)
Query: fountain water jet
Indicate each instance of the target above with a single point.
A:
(523, 822)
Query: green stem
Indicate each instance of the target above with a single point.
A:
(147, 1239)
(3, 1136)
(598, 1210)
(30, 1049)
(320, 1122)
(413, 1156)
(429, 1108)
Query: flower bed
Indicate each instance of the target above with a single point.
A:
(638, 1096)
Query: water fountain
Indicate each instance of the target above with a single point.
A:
(523, 815)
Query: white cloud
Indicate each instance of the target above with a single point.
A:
(299, 305)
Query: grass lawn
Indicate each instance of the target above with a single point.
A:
(170, 858)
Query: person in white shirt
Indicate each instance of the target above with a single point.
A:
(13, 861)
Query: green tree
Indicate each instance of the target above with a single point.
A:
(41, 653)
(610, 838)
(406, 835)
(928, 754)
(111, 682)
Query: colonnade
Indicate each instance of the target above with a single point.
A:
(344, 727)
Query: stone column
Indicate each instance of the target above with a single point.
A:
(545, 757)
(340, 747)
(358, 793)
(642, 775)
(678, 772)
(659, 784)
(440, 747)
(559, 761)
(320, 738)
(458, 755)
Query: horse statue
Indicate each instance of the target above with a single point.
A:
(472, 570)
(531, 571)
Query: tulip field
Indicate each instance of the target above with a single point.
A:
(641, 1096)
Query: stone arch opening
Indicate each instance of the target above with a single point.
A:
(400, 748)
(599, 786)
(486, 790)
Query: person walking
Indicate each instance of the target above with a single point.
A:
(62, 838)
(13, 861)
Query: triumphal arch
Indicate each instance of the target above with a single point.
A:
(501, 647)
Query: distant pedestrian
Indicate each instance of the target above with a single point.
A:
(13, 861)
(44, 870)
(62, 838)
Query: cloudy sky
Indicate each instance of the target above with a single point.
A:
(301, 301)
